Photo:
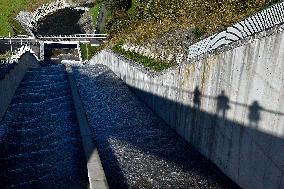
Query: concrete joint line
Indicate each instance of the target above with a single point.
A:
(97, 179)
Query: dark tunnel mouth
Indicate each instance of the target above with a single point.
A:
(62, 22)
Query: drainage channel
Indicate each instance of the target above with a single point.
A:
(96, 173)
(40, 139)
(137, 149)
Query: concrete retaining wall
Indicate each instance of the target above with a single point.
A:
(12, 80)
(229, 106)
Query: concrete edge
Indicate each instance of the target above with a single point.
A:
(97, 178)
(12, 80)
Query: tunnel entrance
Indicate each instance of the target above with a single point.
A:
(63, 22)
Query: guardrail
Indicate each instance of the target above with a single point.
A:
(259, 22)
(17, 38)
(76, 36)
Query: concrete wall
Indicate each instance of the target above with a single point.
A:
(12, 80)
(242, 129)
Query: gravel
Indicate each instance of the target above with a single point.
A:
(137, 149)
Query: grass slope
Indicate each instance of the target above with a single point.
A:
(148, 19)
(88, 51)
(151, 63)
(94, 12)
(9, 10)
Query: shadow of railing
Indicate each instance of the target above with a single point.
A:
(214, 132)
(238, 149)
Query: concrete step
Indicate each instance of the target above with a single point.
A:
(53, 86)
(38, 76)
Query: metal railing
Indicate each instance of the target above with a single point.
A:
(75, 36)
(259, 22)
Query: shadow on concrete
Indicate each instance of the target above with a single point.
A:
(205, 130)
(225, 141)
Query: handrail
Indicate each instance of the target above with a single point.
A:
(259, 22)
(95, 36)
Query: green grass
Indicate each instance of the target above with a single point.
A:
(9, 10)
(149, 19)
(134, 6)
(94, 12)
(88, 51)
(156, 65)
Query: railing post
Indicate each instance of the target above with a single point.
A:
(11, 48)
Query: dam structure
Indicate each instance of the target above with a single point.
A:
(125, 146)
(213, 121)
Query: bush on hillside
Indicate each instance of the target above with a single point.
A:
(88, 51)
(16, 26)
(147, 19)
(116, 5)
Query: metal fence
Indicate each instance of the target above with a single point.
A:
(259, 22)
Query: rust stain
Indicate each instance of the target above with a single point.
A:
(187, 71)
(205, 74)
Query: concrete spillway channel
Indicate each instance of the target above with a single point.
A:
(137, 149)
(39, 135)
(41, 146)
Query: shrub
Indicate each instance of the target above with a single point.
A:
(115, 5)
(141, 21)
(88, 51)
(154, 64)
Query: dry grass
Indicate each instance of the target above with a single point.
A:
(152, 18)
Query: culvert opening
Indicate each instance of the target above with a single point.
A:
(66, 21)
(54, 53)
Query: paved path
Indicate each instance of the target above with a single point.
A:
(138, 150)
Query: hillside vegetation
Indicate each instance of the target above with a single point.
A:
(153, 21)
(138, 20)
(9, 10)
(141, 20)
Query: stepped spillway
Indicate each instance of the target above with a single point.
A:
(39, 136)
(137, 149)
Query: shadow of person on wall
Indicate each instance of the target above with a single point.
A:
(222, 104)
(195, 115)
(219, 124)
(254, 114)
(196, 98)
